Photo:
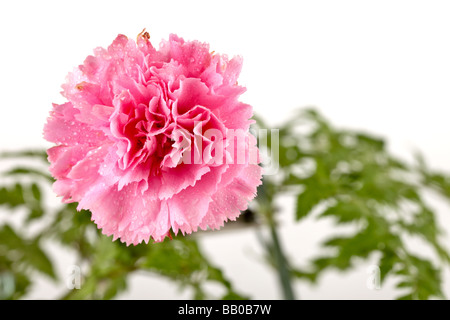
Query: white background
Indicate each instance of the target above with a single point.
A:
(379, 66)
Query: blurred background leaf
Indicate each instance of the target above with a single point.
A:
(351, 178)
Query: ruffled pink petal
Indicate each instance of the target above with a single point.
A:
(126, 214)
(194, 55)
(64, 128)
(189, 206)
(232, 198)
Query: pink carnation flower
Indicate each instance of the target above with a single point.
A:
(152, 140)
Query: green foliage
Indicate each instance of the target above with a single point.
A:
(19, 259)
(350, 178)
(346, 177)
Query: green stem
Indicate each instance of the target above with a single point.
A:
(275, 249)
(282, 266)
